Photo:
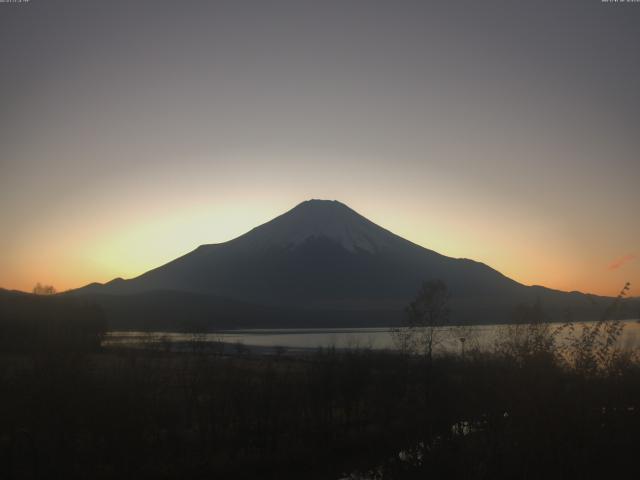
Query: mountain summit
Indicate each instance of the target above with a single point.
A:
(321, 219)
(328, 219)
(322, 257)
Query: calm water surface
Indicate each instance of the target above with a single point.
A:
(447, 338)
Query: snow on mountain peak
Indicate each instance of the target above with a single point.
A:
(324, 219)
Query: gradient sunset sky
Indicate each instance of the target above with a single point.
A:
(507, 132)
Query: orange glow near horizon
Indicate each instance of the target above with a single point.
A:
(71, 258)
(119, 153)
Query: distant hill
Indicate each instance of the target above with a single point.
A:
(319, 264)
(41, 323)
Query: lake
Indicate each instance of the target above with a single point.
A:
(447, 339)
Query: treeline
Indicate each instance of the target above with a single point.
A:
(37, 323)
(516, 412)
(547, 401)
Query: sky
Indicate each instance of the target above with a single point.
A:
(506, 132)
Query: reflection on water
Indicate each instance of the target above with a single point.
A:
(447, 338)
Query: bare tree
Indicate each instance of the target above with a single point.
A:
(595, 348)
(428, 311)
(40, 289)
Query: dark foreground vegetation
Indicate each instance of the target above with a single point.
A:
(546, 402)
(154, 414)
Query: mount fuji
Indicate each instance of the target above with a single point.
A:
(319, 264)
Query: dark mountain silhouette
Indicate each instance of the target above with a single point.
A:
(320, 263)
